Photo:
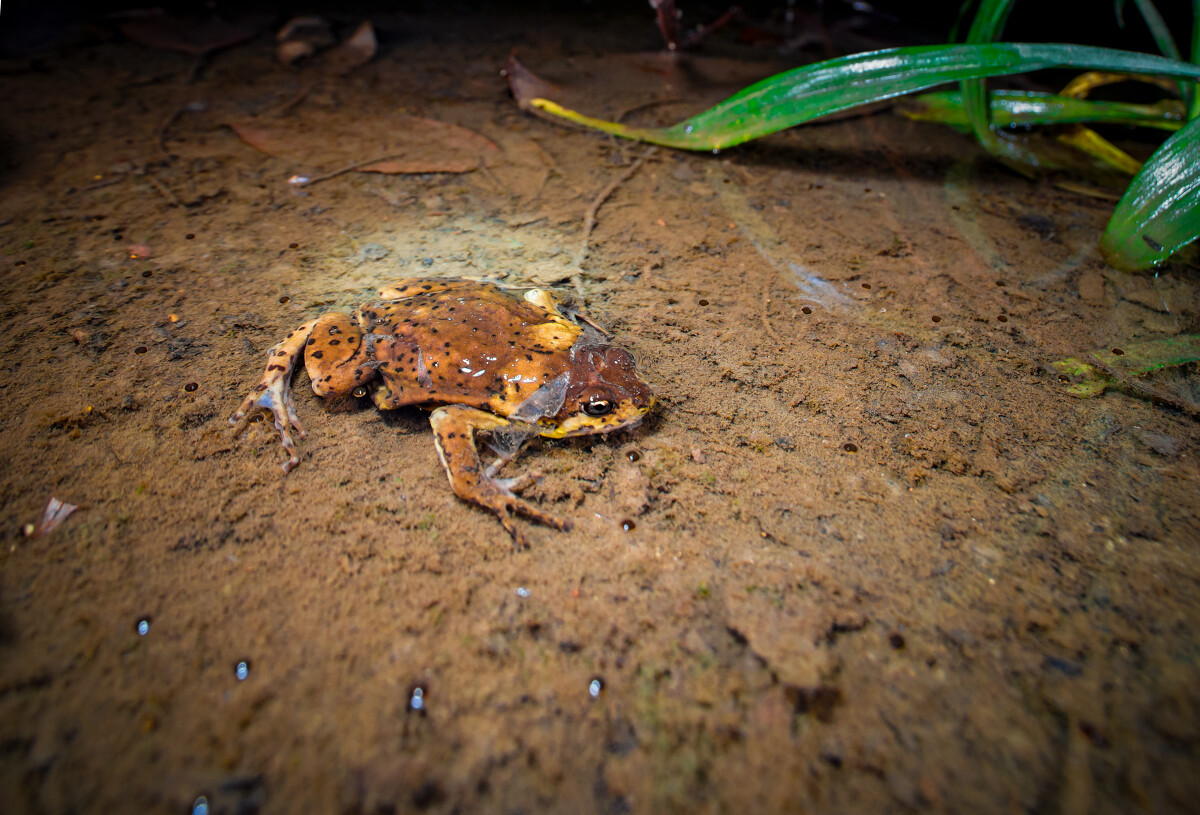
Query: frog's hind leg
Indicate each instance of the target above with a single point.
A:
(454, 428)
(273, 393)
(335, 355)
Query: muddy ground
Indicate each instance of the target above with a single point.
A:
(866, 555)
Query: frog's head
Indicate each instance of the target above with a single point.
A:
(603, 393)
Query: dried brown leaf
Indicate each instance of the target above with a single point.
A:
(325, 141)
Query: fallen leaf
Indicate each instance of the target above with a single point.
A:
(355, 50)
(329, 141)
(191, 35)
(56, 512)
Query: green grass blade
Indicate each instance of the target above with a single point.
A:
(987, 27)
(807, 93)
(1158, 28)
(1160, 212)
(1028, 108)
(1164, 40)
(1194, 107)
(1134, 359)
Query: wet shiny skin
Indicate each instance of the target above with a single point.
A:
(511, 364)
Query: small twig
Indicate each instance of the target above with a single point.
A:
(164, 191)
(483, 168)
(107, 182)
(290, 103)
(1134, 385)
(196, 68)
(589, 221)
(300, 181)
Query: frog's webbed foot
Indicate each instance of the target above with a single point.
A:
(274, 393)
(454, 428)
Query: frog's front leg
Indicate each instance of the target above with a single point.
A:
(273, 393)
(454, 428)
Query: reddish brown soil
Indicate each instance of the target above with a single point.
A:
(866, 556)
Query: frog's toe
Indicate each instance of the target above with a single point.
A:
(515, 504)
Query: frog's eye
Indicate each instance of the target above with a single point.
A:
(599, 407)
(360, 392)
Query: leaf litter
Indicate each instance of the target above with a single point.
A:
(324, 141)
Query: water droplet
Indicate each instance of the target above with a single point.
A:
(522, 592)
(242, 670)
(628, 525)
(850, 447)
(141, 349)
(191, 387)
(417, 700)
(633, 455)
(595, 687)
(143, 626)
(200, 806)
(285, 299)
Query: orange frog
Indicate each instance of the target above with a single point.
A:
(512, 364)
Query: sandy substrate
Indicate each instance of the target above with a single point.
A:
(867, 555)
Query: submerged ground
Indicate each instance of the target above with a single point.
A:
(867, 555)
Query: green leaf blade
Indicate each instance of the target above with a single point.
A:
(1160, 212)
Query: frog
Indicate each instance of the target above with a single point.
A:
(507, 363)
